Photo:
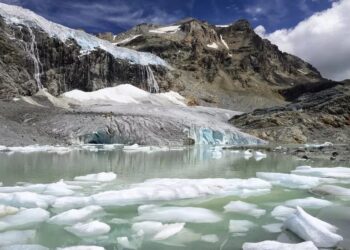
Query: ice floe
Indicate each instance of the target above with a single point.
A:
(100, 177)
(26, 199)
(173, 189)
(292, 180)
(24, 247)
(24, 219)
(210, 238)
(282, 212)
(312, 229)
(275, 245)
(90, 229)
(336, 172)
(341, 192)
(75, 216)
(244, 208)
(82, 248)
(240, 226)
(7, 210)
(70, 202)
(309, 202)
(273, 228)
(156, 230)
(125, 243)
(16, 237)
(177, 214)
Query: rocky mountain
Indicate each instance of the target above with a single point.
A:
(230, 66)
(319, 112)
(36, 53)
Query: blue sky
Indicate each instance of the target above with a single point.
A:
(118, 15)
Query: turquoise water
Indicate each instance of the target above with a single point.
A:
(189, 163)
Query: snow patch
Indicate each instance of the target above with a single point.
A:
(166, 30)
(224, 42)
(213, 45)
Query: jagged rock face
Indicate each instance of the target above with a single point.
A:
(220, 65)
(62, 66)
(320, 112)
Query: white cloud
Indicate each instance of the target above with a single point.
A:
(322, 39)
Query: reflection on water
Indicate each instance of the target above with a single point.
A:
(191, 163)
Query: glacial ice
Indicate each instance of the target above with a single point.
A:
(24, 219)
(309, 202)
(156, 230)
(71, 202)
(275, 245)
(7, 210)
(75, 216)
(273, 228)
(82, 248)
(282, 212)
(26, 199)
(336, 172)
(240, 226)
(18, 15)
(312, 229)
(100, 177)
(16, 237)
(210, 238)
(178, 214)
(244, 208)
(292, 180)
(341, 192)
(173, 189)
(24, 247)
(90, 229)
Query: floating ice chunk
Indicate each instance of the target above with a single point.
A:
(179, 214)
(101, 177)
(7, 210)
(82, 248)
(244, 208)
(16, 237)
(147, 228)
(282, 212)
(90, 229)
(309, 202)
(259, 154)
(240, 226)
(65, 203)
(326, 144)
(312, 229)
(341, 192)
(292, 180)
(173, 189)
(169, 230)
(26, 199)
(336, 172)
(118, 221)
(24, 219)
(275, 245)
(248, 152)
(273, 228)
(210, 238)
(74, 216)
(24, 247)
(216, 154)
(125, 243)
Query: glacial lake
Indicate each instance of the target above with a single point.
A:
(212, 175)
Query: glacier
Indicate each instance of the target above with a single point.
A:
(19, 16)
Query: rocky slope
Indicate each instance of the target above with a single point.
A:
(317, 113)
(229, 66)
(36, 53)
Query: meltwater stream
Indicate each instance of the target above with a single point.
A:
(156, 198)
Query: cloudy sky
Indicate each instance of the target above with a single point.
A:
(315, 30)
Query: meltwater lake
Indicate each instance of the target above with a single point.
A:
(161, 198)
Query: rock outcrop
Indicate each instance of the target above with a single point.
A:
(317, 113)
(230, 66)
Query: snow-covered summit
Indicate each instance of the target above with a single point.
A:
(20, 16)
